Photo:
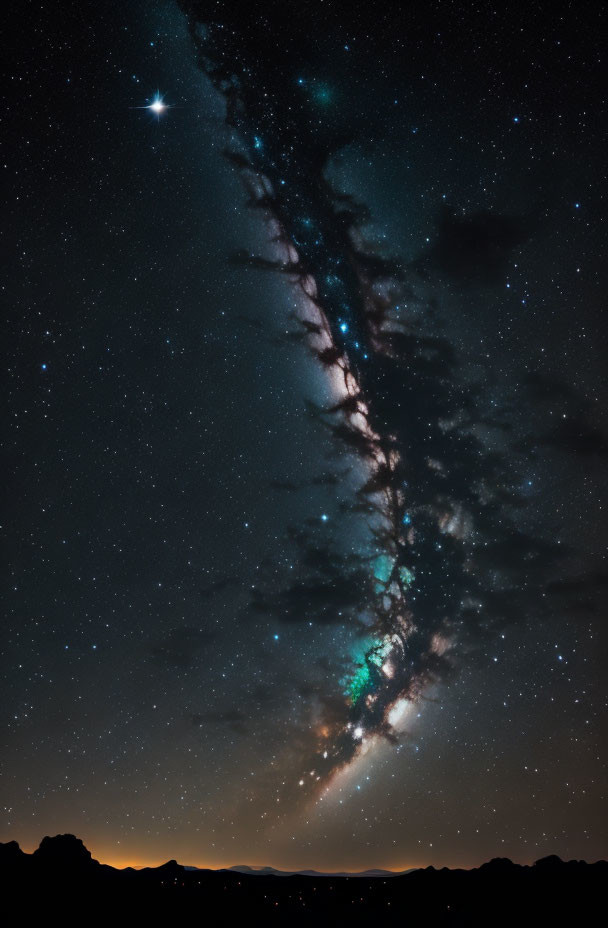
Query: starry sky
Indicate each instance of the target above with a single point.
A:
(306, 431)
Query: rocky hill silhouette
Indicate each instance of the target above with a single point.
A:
(61, 878)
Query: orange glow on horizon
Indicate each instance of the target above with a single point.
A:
(110, 856)
(122, 864)
(112, 859)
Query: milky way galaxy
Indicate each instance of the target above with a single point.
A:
(440, 501)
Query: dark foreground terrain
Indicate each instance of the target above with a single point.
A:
(61, 879)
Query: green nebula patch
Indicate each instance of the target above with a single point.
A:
(365, 676)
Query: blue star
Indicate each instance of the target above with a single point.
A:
(157, 106)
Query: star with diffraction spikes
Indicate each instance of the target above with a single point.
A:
(157, 106)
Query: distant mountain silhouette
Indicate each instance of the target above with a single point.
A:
(62, 878)
(269, 871)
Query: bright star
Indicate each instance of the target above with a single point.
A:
(157, 106)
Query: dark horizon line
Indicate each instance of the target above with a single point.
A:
(263, 869)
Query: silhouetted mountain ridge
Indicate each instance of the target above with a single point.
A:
(272, 871)
(499, 892)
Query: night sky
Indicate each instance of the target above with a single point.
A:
(306, 430)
